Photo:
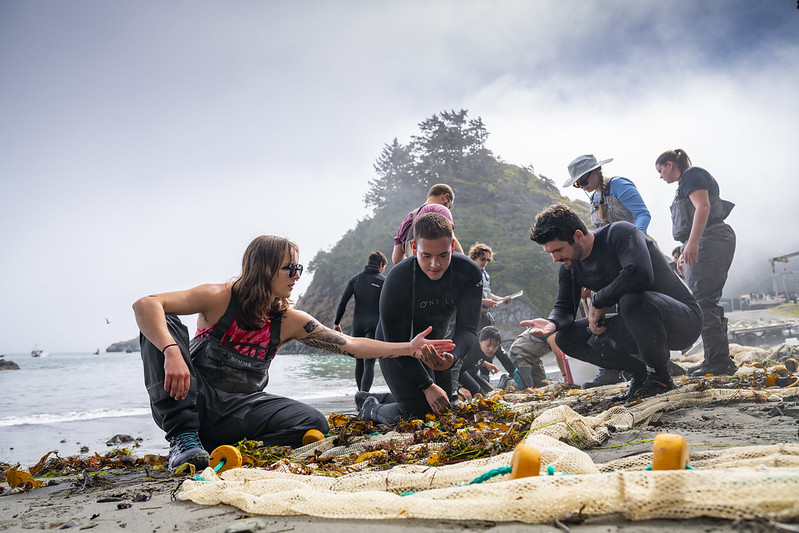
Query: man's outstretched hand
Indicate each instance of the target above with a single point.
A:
(539, 327)
(435, 360)
(440, 345)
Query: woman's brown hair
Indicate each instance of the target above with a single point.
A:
(262, 261)
(679, 157)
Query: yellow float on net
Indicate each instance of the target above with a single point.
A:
(669, 452)
(224, 458)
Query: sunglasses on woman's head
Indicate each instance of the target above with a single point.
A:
(293, 268)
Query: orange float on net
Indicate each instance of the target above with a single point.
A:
(669, 452)
(311, 436)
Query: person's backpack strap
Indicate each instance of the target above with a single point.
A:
(409, 234)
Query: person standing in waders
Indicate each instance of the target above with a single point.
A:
(708, 246)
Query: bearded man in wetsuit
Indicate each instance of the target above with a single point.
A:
(656, 310)
(424, 290)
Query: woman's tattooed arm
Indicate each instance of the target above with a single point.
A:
(326, 339)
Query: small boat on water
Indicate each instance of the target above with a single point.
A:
(36, 352)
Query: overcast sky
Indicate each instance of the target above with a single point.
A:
(144, 144)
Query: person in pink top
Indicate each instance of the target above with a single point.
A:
(440, 199)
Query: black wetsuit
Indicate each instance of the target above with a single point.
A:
(472, 363)
(657, 312)
(409, 303)
(366, 287)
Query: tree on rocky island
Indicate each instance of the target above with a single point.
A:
(396, 176)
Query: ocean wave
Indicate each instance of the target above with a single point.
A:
(54, 418)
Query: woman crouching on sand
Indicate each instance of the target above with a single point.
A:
(209, 391)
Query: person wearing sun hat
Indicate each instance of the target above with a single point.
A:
(612, 198)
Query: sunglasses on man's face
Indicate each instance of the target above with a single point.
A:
(293, 269)
(583, 181)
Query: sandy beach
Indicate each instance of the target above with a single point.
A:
(112, 501)
(143, 501)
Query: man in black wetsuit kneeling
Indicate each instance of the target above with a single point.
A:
(421, 291)
(657, 311)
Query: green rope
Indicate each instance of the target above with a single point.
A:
(491, 473)
(502, 470)
(622, 445)
(651, 440)
(198, 477)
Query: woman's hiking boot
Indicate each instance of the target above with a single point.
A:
(187, 448)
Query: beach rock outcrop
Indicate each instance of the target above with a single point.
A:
(125, 346)
(8, 365)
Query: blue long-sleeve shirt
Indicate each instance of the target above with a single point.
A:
(627, 193)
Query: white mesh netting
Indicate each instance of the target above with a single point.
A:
(736, 482)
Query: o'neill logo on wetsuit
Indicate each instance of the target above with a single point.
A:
(437, 301)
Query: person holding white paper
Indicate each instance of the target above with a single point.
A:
(482, 254)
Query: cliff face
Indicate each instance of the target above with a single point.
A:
(125, 346)
(323, 300)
